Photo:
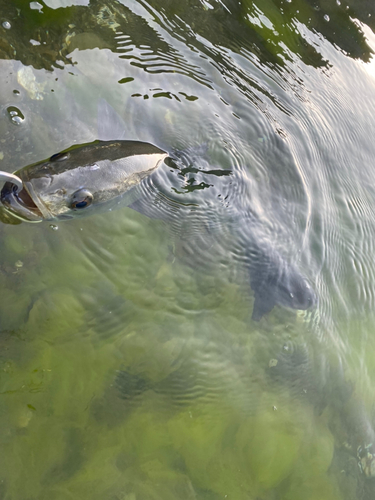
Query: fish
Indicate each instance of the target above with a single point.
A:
(208, 235)
(113, 172)
(275, 281)
(79, 180)
(103, 175)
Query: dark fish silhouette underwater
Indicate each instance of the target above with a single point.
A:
(109, 174)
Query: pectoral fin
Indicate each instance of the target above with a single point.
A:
(263, 303)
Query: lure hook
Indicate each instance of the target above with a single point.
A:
(14, 179)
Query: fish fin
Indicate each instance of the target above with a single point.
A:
(111, 126)
(154, 208)
(263, 303)
(144, 207)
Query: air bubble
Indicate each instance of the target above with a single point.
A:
(326, 17)
(16, 92)
(54, 227)
(15, 115)
(6, 25)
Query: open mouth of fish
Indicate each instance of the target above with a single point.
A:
(19, 203)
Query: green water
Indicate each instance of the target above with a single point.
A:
(130, 371)
(197, 413)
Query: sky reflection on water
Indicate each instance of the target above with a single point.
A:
(130, 365)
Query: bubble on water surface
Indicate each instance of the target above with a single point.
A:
(6, 25)
(326, 17)
(16, 92)
(15, 115)
(54, 227)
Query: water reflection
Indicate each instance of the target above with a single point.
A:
(265, 33)
(128, 345)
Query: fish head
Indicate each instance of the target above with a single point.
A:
(275, 281)
(78, 181)
(294, 291)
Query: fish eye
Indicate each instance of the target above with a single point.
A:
(81, 199)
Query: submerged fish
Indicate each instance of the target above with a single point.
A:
(94, 175)
(104, 174)
(274, 280)
(210, 234)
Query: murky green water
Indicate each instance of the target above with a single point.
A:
(130, 367)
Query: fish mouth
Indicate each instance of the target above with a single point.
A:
(19, 203)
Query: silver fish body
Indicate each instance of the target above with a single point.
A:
(77, 181)
(104, 175)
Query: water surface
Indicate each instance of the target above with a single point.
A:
(130, 365)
